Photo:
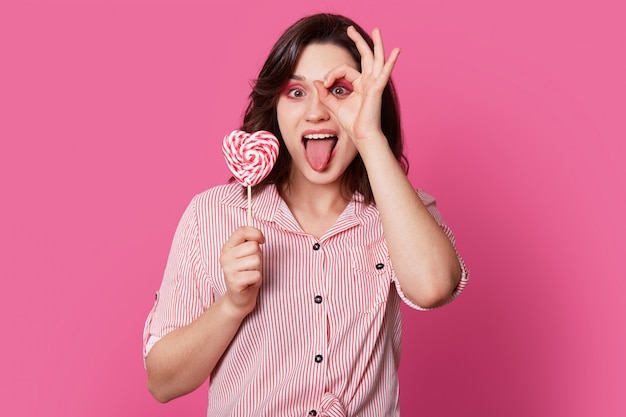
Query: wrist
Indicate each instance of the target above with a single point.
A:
(230, 310)
(374, 147)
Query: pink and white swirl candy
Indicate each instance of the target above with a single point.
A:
(250, 157)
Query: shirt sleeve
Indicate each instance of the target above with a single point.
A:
(431, 206)
(185, 291)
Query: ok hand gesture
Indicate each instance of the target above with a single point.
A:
(359, 112)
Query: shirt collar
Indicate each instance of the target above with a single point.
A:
(268, 205)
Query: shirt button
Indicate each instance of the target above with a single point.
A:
(318, 299)
(319, 358)
(312, 413)
(380, 266)
(316, 246)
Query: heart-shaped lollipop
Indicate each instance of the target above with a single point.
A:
(250, 157)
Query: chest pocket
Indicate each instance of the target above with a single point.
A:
(371, 273)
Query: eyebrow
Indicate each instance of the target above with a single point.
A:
(297, 77)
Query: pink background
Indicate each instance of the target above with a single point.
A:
(111, 118)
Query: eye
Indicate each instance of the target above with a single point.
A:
(340, 91)
(295, 92)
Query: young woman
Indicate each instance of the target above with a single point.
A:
(300, 315)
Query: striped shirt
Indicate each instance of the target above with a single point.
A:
(324, 338)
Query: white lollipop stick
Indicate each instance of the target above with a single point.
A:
(250, 157)
(249, 205)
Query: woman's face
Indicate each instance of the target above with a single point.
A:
(319, 148)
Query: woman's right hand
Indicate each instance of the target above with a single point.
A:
(242, 263)
(183, 359)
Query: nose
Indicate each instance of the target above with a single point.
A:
(316, 110)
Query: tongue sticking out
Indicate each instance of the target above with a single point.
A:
(318, 151)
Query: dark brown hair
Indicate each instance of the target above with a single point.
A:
(261, 112)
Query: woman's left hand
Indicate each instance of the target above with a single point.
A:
(359, 113)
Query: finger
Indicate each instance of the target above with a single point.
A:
(345, 71)
(379, 52)
(233, 262)
(326, 97)
(251, 262)
(322, 91)
(244, 248)
(243, 234)
(367, 57)
(247, 248)
(391, 63)
(247, 279)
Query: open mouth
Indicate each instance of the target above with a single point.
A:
(318, 149)
(318, 137)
